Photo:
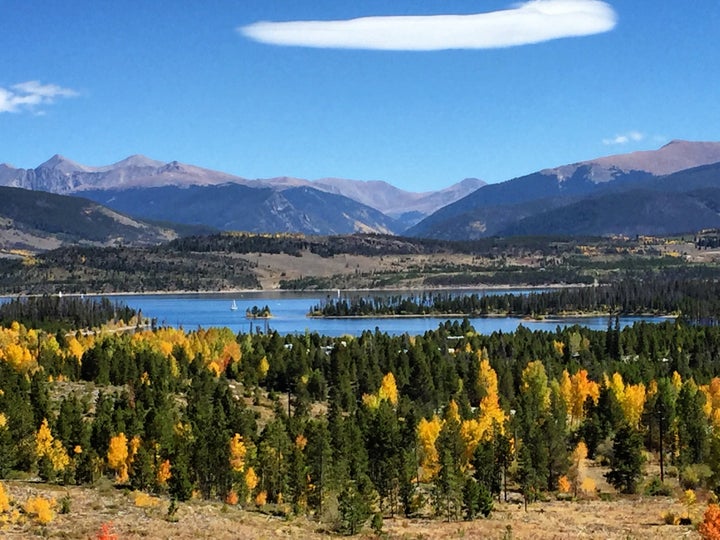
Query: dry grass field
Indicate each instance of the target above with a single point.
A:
(129, 517)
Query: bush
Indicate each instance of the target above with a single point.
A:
(710, 527)
(695, 476)
(671, 518)
(656, 488)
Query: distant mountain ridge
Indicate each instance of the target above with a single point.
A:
(63, 176)
(525, 205)
(619, 194)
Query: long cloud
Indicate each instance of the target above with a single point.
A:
(29, 95)
(530, 22)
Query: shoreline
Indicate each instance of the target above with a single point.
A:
(225, 292)
(545, 318)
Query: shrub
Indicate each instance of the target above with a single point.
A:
(670, 518)
(710, 527)
(41, 509)
(656, 488)
(4, 499)
(695, 476)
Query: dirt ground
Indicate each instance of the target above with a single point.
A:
(620, 518)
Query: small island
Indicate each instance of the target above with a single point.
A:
(258, 313)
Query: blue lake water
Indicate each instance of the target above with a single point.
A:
(289, 310)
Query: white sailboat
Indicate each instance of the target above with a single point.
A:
(233, 306)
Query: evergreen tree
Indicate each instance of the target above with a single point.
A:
(627, 460)
(448, 487)
(693, 428)
(353, 507)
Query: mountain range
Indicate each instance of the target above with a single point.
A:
(668, 190)
(673, 189)
(151, 189)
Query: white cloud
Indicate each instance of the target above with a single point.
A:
(533, 21)
(29, 95)
(625, 138)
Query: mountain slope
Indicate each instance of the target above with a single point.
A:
(681, 202)
(63, 176)
(238, 207)
(33, 220)
(494, 208)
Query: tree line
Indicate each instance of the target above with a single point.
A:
(659, 294)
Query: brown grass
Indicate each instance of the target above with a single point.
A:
(621, 518)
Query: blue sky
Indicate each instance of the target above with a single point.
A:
(401, 95)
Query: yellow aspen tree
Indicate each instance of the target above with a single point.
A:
(263, 367)
(428, 432)
(388, 389)
(238, 451)
(490, 414)
(582, 388)
(164, 473)
(75, 349)
(46, 446)
(117, 457)
(712, 399)
(576, 472)
(251, 479)
(633, 403)
(676, 381)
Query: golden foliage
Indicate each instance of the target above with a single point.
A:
(238, 451)
(263, 367)
(46, 446)
(74, 348)
(251, 479)
(117, 457)
(261, 498)
(145, 500)
(564, 484)
(490, 416)
(163, 473)
(676, 381)
(631, 397)
(3, 420)
(387, 392)
(712, 401)
(388, 389)
(4, 499)
(428, 431)
(588, 486)
(576, 471)
(301, 442)
(41, 509)
(581, 388)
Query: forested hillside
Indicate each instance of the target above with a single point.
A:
(345, 429)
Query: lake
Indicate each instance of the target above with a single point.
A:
(289, 311)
